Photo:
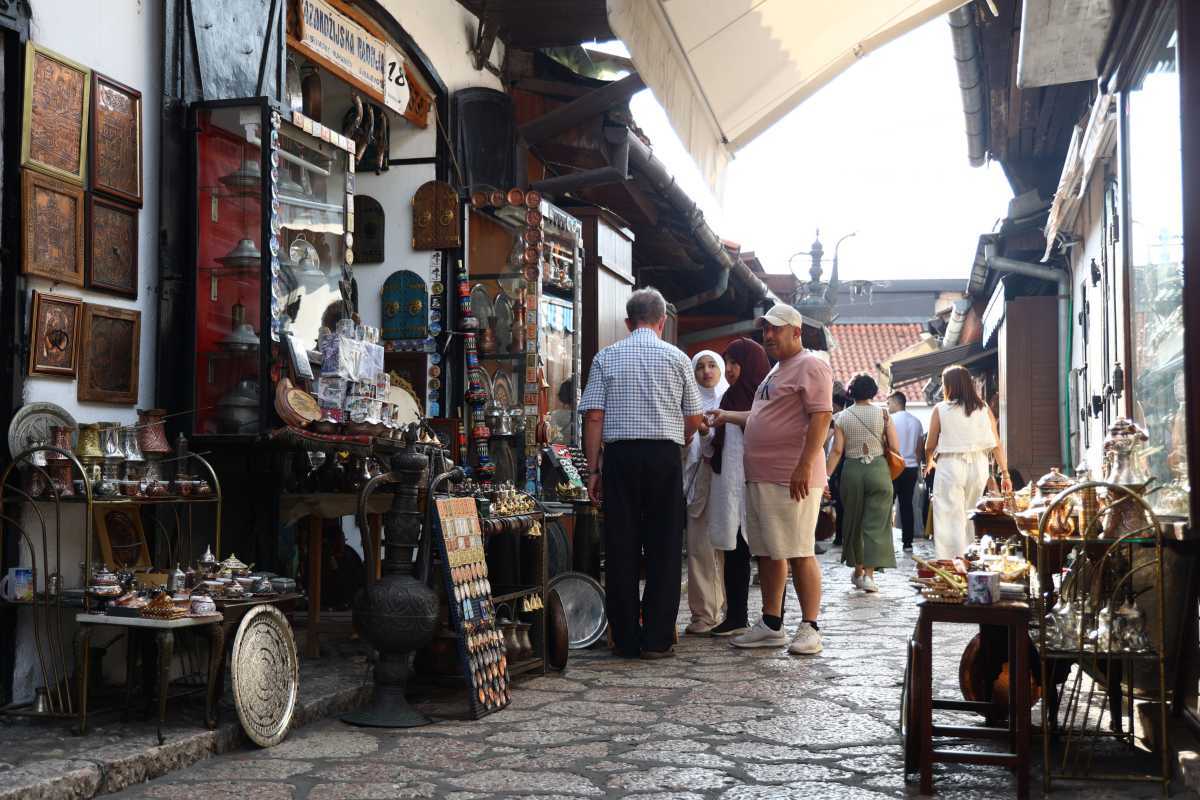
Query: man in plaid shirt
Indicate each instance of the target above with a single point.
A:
(641, 401)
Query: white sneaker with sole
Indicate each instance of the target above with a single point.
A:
(868, 584)
(807, 641)
(760, 635)
(856, 581)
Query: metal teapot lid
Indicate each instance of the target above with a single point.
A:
(241, 338)
(1052, 482)
(245, 394)
(245, 254)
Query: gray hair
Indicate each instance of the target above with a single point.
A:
(646, 306)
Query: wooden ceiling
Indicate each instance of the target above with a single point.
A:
(530, 24)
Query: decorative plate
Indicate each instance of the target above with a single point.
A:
(503, 312)
(266, 675)
(503, 393)
(32, 424)
(481, 304)
(583, 602)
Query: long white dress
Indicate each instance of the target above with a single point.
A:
(727, 494)
(706, 588)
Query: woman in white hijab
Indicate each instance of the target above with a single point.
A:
(706, 592)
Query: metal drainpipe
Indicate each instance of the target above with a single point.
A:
(1063, 279)
(964, 36)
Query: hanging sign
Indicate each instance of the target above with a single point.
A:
(395, 80)
(339, 43)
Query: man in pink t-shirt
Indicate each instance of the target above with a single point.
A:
(785, 478)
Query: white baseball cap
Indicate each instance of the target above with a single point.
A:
(780, 314)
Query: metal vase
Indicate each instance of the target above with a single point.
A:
(398, 613)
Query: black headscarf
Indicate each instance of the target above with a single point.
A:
(750, 356)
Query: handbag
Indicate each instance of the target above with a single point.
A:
(894, 460)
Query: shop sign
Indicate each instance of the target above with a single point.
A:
(395, 80)
(341, 44)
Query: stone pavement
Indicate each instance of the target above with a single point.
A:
(714, 722)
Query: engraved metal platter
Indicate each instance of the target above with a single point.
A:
(31, 425)
(266, 675)
(503, 311)
(583, 602)
(481, 304)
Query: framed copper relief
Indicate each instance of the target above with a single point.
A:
(55, 119)
(116, 153)
(112, 264)
(108, 355)
(51, 228)
(53, 334)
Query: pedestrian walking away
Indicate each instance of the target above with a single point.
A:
(860, 432)
(640, 406)
(962, 434)
(910, 434)
(746, 364)
(784, 459)
(706, 589)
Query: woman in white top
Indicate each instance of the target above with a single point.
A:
(962, 434)
(706, 592)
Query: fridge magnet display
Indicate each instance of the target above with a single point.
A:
(112, 264)
(51, 228)
(108, 358)
(116, 152)
(54, 329)
(54, 127)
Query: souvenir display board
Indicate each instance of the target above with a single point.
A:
(472, 615)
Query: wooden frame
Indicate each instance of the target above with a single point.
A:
(51, 228)
(115, 153)
(112, 247)
(55, 114)
(108, 355)
(54, 318)
(121, 535)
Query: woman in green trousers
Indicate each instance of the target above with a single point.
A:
(859, 433)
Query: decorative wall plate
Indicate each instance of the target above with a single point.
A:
(112, 253)
(266, 675)
(55, 114)
(32, 422)
(51, 228)
(481, 304)
(54, 334)
(116, 154)
(503, 313)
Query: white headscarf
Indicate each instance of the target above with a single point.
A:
(710, 398)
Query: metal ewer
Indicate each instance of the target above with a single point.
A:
(398, 613)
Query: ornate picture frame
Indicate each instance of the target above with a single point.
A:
(54, 335)
(55, 114)
(108, 355)
(112, 247)
(52, 214)
(115, 155)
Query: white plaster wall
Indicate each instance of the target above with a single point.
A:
(119, 38)
(444, 30)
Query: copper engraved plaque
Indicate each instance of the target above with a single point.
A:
(55, 114)
(116, 156)
(113, 247)
(51, 228)
(54, 334)
(108, 357)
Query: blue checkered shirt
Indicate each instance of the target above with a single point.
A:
(645, 388)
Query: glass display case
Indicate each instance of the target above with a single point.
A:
(1156, 272)
(273, 245)
(521, 301)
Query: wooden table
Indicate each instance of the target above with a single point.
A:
(164, 631)
(1015, 617)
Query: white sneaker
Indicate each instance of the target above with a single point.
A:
(868, 584)
(807, 641)
(760, 635)
(856, 581)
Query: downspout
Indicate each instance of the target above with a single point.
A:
(958, 318)
(643, 160)
(1063, 280)
(964, 35)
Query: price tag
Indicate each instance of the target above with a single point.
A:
(395, 82)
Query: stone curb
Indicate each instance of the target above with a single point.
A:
(116, 767)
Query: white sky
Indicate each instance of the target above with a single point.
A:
(882, 150)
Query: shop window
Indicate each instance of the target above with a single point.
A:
(1156, 267)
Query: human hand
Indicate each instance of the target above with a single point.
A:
(798, 488)
(1006, 483)
(715, 418)
(703, 429)
(595, 488)
(827, 494)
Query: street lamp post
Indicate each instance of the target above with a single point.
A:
(816, 299)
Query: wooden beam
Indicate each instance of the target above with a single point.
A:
(577, 111)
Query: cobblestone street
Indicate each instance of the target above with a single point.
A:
(713, 722)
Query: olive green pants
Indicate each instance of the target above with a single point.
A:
(867, 514)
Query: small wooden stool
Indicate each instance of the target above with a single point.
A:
(1015, 617)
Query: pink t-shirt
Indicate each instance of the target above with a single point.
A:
(792, 392)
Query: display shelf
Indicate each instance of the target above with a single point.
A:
(312, 205)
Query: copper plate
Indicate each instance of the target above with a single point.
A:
(266, 675)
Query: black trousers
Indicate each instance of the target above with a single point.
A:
(737, 582)
(904, 486)
(643, 525)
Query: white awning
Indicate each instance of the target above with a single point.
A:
(726, 70)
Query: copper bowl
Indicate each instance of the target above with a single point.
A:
(516, 197)
(496, 198)
(533, 217)
(533, 198)
(479, 199)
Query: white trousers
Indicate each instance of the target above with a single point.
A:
(706, 583)
(958, 483)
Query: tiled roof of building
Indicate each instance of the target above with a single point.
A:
(860, 346)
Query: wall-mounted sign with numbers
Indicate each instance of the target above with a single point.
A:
(337, 43)
(395, 82)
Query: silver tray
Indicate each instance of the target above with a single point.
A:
(583, 601)
(481, 304)
(503, 311)
(32, 424)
